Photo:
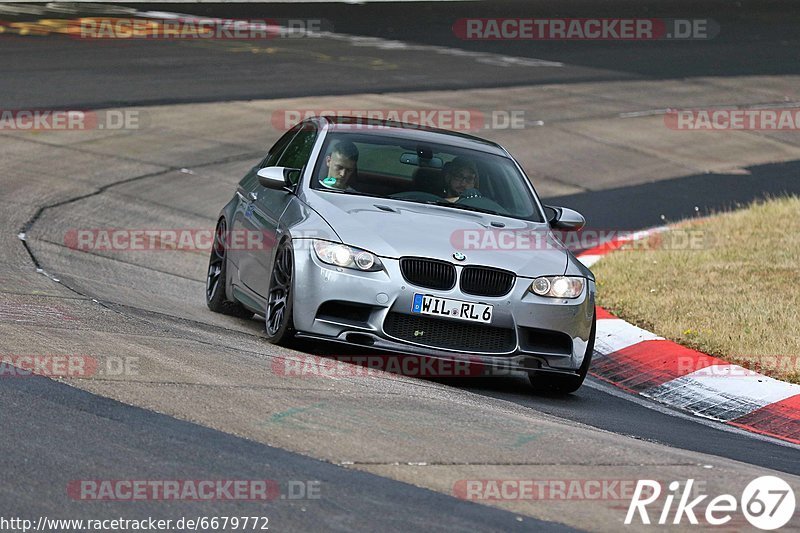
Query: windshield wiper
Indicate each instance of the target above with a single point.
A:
(464, 207)
(426, 202)
(354, 193)
(359, 193)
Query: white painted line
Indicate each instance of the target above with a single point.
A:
(498, 60)
(722, 393)
(744, 382)
(614, 334)
(647, 113)
(612, 390)
(589, 260)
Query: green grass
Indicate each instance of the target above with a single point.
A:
(732, 292)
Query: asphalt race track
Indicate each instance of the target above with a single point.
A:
(203, 397)
(758, 38)
(163, 447)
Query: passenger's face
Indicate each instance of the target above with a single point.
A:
(460, 180)
(341, 168)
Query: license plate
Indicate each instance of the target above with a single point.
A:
(431, 305)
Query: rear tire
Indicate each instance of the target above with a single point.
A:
(559, 384)
(217, 277)
(278, 313)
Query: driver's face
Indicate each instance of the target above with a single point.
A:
(341, 168)
(460, 180)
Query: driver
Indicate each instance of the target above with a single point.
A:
(342, 165)
(461, 180)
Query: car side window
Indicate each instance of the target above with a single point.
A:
(278, 148)
(250, 181)
(299, 150)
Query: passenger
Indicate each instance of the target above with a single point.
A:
(461, 180)
(342, 165)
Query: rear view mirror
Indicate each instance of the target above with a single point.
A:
(410, 158)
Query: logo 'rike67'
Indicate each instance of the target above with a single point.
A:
(768, 502)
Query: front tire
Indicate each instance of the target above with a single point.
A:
(278, 314)
(217, 277)
(559, 384)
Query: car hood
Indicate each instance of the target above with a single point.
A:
(394, 229)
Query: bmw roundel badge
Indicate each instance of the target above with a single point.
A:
(458, 256)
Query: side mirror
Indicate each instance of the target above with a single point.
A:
(563, 218)
(278, 177)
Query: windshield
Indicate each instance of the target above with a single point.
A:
(407, 170)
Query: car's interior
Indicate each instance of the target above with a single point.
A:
(418, 173)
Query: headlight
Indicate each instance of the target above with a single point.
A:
(558, 286)
(344, 256)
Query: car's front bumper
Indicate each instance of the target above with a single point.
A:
(533, 321)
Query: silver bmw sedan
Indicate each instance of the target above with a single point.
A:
(408, 240)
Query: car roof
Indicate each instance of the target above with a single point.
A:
(414, 132)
